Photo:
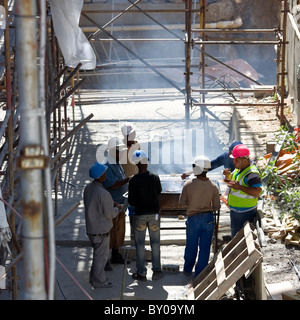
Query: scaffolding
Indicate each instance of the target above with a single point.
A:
(35, 135)
(209, 37)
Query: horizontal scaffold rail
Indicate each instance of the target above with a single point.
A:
(238, 42)
(236, 104)
(242, 90)
(236, 30)
(138, 11)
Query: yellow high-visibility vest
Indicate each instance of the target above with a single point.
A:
(238, 198)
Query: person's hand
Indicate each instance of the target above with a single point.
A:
(226, 172)
(234, 185)
(184, 176)
(119, 206)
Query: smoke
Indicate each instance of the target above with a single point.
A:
(172, 152)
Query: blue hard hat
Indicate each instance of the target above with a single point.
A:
(234, 144)
(97, 170)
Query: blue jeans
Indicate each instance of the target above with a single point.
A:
(238, 219)
(199, 232)
(141, 223)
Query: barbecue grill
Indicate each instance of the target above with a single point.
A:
(168, 199)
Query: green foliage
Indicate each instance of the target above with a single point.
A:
(283, 188)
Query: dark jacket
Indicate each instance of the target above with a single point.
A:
(224, 160)
(143, 192)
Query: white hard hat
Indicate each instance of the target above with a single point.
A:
(140, 156)
(200, 164)
(128, 129)
(115, 142)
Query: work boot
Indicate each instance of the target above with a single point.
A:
(105, 285)
(157, 275)
(137, 276)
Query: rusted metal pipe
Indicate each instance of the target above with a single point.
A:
(202, 56)
(44, 138)
(241, 90)
(283, 58)
(232, 42)
(30, 135)
(66, 81)
(188, 37)
(219, 30)
(235, 104)
(71, 133)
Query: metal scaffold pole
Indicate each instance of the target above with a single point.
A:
(285, 10)
(202, 55)
(31, 155)
(188, 6)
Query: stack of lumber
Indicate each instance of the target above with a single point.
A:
(286, 227)
(239, 257)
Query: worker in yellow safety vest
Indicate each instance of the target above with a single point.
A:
(245, 186)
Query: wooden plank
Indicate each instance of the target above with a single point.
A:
(234, 276)
(220, 269)
(259, 286)
(201, 276)
(203, 294)
(248, 234)
(240, 256)
(206, 283)
(234, 241)
(211, 289)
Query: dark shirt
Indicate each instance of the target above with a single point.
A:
(143, 192)
(222, 160)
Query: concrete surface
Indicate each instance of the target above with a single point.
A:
(73, 249)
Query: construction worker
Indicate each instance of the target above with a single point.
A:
(117, 184)
(201, 197)
(244, 189)
(129, 134)
(129, 167)
(222, 160)
(100, 209)
(143, 192)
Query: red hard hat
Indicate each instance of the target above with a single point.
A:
(240, 151)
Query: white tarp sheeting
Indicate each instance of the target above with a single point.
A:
(3, 219)
(74, 45)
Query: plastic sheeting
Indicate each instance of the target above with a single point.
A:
(74, 45)
(5, 234)
(3, 219)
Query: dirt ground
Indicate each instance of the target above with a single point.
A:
(276, 265)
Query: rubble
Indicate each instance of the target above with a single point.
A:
(278, 210)
(287, 228)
